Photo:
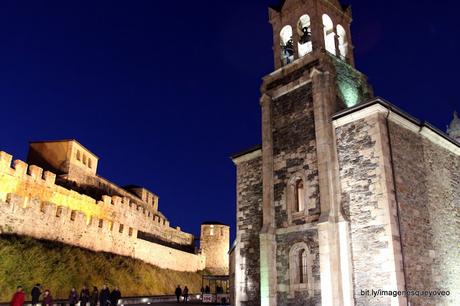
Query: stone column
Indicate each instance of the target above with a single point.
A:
(268, 277)
(334, 241)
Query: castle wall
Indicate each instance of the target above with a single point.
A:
(368, 202)
(249, 224)
(32, 182)
(428, 192)
(32, 204)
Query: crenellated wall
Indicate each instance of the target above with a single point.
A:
(32, 204)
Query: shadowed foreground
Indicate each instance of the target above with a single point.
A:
(58, 267)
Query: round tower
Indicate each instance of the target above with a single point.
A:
(454, 128)
(215, 243)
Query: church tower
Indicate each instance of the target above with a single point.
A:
(303, 222)
(338, 199)
(298, 237)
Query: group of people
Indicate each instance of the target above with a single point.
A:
(179, 292)
(105, 297)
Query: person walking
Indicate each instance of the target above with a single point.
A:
(18, 297)
(94, 297)
(185, 294)
(73, 297)
(104, 296)
(178, 293)
(115, 295)
(47, 298)
(84, 296)
(36, 292)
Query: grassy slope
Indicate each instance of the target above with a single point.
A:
(58, 267)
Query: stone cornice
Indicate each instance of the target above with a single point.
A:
(399, 117)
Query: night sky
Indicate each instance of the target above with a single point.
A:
(165, 91)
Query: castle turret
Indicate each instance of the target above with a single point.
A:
(454, 128)
(214, 243)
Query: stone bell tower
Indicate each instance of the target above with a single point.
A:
(301, 242)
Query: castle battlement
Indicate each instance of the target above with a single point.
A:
(75, 206)
(27, 183)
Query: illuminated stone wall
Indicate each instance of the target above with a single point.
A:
(294, 152)
(428, 191)
(408, 239)
(249, 223)
(368, 202)
(32, 204)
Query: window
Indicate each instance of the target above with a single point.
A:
(130, 231)
(300, 268)
(299, 196)
(121, 228)
(73, 213)
(304, 30)
(58, 211)
(211, 230)
(84, 159)
(287, 45)
(101, 223)
(343, 45)
(329, 35)
(78, 155)
(89, 163)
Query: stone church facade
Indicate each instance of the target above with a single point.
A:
(347, 193)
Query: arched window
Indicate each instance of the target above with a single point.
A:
(304, 30)
(84, 159)
(78, 155)
(287, 45)
(299, 196)
(300, 268)
(329, 35)
(89, 163)
(343, 45)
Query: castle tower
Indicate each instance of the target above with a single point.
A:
(214, 243)
(454, 128)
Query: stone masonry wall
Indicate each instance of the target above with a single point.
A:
(428, 192)
(368, 203)
(249, 224)
(31, 204)
(214, 244)
(284, 242)
(294, 150)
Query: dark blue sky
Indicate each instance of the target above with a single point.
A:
(165, 91)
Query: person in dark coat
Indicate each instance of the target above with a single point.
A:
(104, 296)
(47, 298)
(84, 296)
(73, 297)
(94, 297)
(178, 293)
(18, 297)
(115, 295)
(36, 292)
(185, 294)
